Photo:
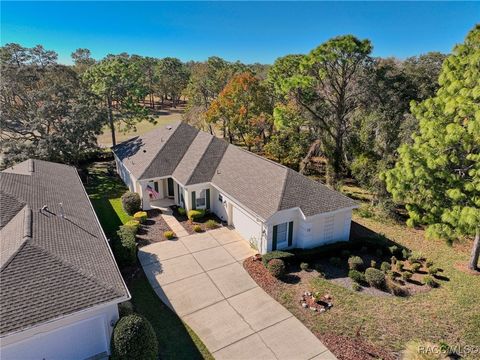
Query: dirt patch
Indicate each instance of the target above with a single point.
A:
(152, 230)
(188, 224)
(345, 348)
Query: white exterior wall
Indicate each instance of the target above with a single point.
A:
(218, 207)
(125, 175)
(249, 226)
(78, 336)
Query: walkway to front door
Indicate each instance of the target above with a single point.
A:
(201, 277)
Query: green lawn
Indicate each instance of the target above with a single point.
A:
(105, 139)
(176, 340)
(449, 314)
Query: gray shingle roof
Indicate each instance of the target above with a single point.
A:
(65, 264)
(259, 184)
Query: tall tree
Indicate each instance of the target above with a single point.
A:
(438, 177)
(172, 77)
(46, 112)
(82, 59)
(327, 90)
(119, 80)
(243, 110)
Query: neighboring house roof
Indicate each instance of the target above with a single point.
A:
(193, 157)
(50, 266)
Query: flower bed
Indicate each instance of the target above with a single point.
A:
(189, 225)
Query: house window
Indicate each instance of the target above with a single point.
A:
(201, 199)
(282, 232)
(220, 198)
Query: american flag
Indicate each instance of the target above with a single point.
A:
(153, 194)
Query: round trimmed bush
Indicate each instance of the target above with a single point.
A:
(429, 263)
(433, 270)
(393, 249)
(276, 267)
(182, 211)
(196, 214)
(430, 281)
(355, 263)
(407, 275)
(134, 224)
(197, 228)
(356, 287)
(385, 267)
(211, 224)
(134, 338)
(415, 267)
(356, 276)
(140, 216)
(373, 263)
(125, 247)
(304, 266)
(169, 234)
(131, 202)
(400, 265)
(375, 277)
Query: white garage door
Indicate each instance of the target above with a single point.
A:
(245, 225)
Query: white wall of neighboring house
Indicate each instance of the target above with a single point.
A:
(125, 175)
(78, 336)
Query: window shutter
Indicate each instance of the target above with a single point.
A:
(194, 200)
(274, 238)
(207, 198)
(290, 233)
(155, 185)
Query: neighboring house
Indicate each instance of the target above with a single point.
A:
(272, 206)
(60, 285)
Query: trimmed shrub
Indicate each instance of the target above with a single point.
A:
(430, 281)
(415, 258)
(134, 338)
(140, 216)
(390, 274)
(356, 287)
(125, 308)
(373, 263)
(433, 270)
(131, 202)
(355, 263)
(345, 253)
(196, 214)
(429, 263)
(283, 255)
(400, 265)
(304, 266)
(126, 247)
(197, 228)
(385, 266)
(407, 275)
(393, 250)
(211, 224)
(169, 234)
(356, 276)
(375, 277)
(335, 261)
(134, 224)
(276, 267)
(415, 267)
(405, 254)
(182, 211)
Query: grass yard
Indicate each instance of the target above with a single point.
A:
(176, 340)
(448, 314)
(105, 139)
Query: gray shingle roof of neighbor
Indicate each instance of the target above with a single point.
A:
(51, 266)
(259, 184)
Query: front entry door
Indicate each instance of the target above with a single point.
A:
(170, 187)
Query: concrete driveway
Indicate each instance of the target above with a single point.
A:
(202, 279)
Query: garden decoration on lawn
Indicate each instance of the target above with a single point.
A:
(315, 302)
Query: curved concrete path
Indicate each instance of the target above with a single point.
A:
(202, 279)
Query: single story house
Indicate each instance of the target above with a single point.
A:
(60, 285)
(272, 206)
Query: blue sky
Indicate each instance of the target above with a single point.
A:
(247, 31)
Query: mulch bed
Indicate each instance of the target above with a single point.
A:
(188, 225)
(344, 348)
(152, 230)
